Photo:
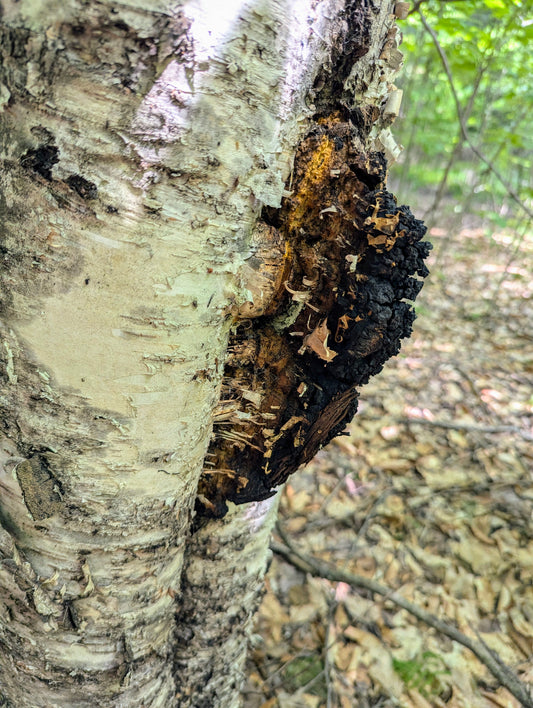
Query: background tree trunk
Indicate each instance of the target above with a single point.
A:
(139, 147)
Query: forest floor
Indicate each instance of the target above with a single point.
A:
(431, 494)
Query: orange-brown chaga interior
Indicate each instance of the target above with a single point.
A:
(350, 259)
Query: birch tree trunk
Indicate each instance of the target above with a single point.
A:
(140, 143)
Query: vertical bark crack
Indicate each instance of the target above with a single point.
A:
(41, 491)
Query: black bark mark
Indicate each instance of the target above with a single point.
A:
(41, 160)
(84, 187)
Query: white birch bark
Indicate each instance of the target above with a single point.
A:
(139, 143)
(225, 564)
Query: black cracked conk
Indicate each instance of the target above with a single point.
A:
(355, 262)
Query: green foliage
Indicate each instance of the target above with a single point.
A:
(488, 47)
(304, 670)
(422, 673)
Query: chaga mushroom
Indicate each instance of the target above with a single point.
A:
(342, 264)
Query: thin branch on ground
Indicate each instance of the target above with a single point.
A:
(308, 564)
(468, 427)
(464, 132)
(455, 425)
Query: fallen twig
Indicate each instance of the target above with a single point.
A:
(470, 427)
(490, 659)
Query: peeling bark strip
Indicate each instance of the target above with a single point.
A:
(337, 311)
